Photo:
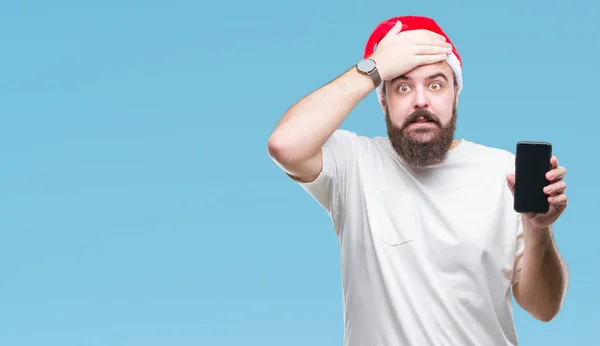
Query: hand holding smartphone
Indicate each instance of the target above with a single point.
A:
(532, 164)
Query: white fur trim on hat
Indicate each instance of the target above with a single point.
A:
(452, 60)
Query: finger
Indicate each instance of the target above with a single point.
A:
(431, 59)
(554, 161)
(559, 199)
(395, 29)
(556, 188)
(431, 38)
(510, 181)
(432, 50)
(435, 37)
(556, 174)
(433, 43)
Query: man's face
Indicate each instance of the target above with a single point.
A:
(420, 110)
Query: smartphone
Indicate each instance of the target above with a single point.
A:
(532, 162)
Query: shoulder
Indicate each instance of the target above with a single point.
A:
(487, 150)
(350, 139)
(354, 150)
(491, 155)
(349, 136)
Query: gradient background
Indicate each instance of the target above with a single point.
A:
(138, 204)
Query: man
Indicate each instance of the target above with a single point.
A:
(430, 242)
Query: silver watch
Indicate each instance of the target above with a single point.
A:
(369, 68)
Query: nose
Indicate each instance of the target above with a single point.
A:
(420, 101)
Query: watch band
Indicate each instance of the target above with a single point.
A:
(375, 76)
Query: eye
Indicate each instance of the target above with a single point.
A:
(404, 88)
(435, 86)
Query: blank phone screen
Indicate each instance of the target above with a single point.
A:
(532, 164)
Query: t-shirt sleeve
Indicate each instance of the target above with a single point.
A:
(519, 251)
(330, 188)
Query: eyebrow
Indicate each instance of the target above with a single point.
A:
(433, 76)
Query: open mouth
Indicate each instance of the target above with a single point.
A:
(422, 121)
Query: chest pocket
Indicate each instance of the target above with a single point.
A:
(392, 216)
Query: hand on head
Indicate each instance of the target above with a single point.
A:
(400, 52)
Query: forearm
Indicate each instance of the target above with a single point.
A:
(308, 124)
(543, 275)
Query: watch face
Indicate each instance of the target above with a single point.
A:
(366, 65)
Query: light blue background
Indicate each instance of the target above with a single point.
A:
(138, 204)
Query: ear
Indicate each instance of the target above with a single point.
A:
(456, 95)
(382, 101)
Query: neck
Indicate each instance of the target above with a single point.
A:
(454, 144)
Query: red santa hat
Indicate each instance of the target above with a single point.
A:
(413, 23)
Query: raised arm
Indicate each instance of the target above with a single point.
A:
(298, 137)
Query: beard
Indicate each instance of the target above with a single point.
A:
(421, 147)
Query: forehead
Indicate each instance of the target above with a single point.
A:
(425, 71)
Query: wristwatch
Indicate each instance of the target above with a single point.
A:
(369, 68)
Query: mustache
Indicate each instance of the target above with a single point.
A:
(427, 115)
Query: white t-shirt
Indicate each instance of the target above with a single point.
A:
(428, 256)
